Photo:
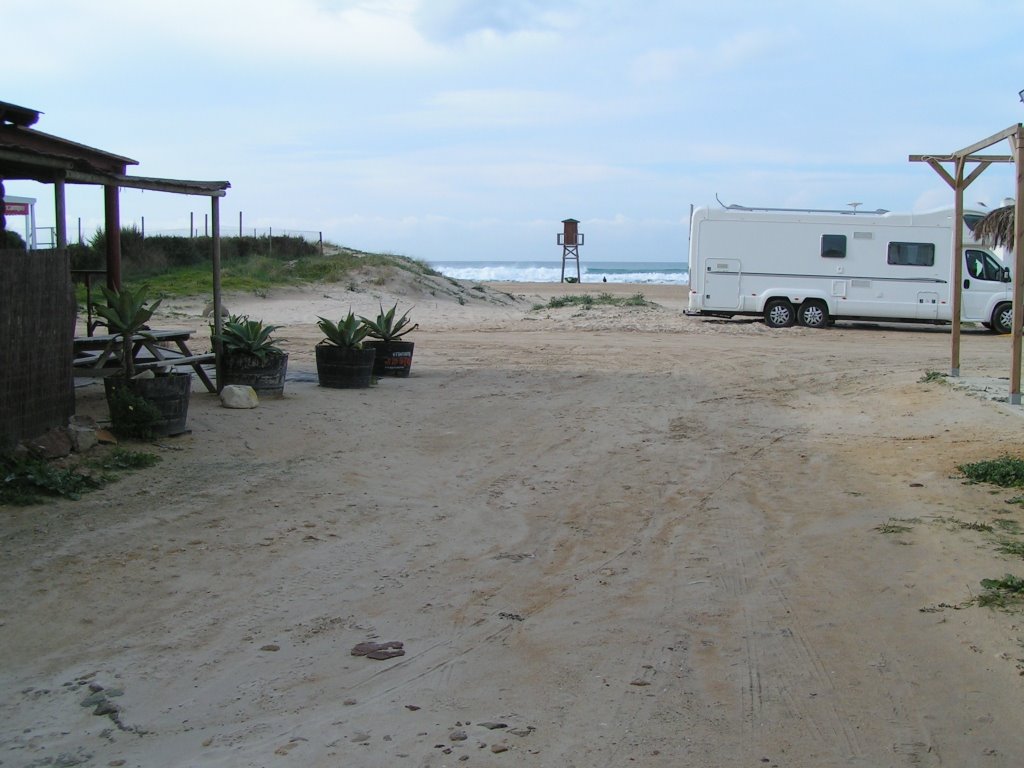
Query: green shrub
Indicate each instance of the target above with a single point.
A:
(11, 241)
(132, 415)
(26, 480)
(1006, 472)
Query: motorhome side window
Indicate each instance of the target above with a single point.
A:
(912, 254)
(833, 246)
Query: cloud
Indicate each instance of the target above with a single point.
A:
(735, 51)
(238, 33)
(452, 20)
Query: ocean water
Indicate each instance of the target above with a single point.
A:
(653, 272)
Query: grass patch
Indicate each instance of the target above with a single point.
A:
(25, 480)
(258, 273)
(588, 300)
(969, 525)
(932, 377)
(125, 459)
(893, 526)
(1007, 524)
(1006, 472)
(1001, 593)
(1015, 548)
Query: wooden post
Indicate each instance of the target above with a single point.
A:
(112, 221)
(1017, 140)
(60, 213)
(217, 322)
(958, 264)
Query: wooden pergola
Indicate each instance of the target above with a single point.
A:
(967, 166)
(30, 155)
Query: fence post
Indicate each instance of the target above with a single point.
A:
(321, 243)
(239, 225)
(191, 225)
(270, 241)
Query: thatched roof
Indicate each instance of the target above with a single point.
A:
(996, 227)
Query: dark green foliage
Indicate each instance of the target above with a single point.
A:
(1006, 472)
(240, 335)
(126, 313)
(122, 458)
(347, 333)
(132, 415)
(1000, 592)
(11, 241)
(26, 480)
(386, 327)
(84, 257)
(143, 256)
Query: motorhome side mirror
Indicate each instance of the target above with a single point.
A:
(1006, 275)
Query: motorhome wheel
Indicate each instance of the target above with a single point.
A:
(1002, 318)
(813, 314)
(778, 313)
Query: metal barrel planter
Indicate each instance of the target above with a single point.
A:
(394, 358)
(344, 368)
(265, 376)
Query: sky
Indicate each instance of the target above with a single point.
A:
(469, 129)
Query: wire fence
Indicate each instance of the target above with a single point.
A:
(46, 236)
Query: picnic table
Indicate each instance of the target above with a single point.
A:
(101, 355)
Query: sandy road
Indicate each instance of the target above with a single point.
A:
(630, 547)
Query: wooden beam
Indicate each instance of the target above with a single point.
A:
(943, 173)
(174, 186)
(995, 138)
(969, 158)
(975, 173)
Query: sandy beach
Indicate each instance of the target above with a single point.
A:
(604, 536)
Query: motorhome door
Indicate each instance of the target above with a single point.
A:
(983, 276)
(721, 284)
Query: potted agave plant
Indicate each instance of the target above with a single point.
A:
(394, 356)
(146, 405)
(342, 360)
(251, 357)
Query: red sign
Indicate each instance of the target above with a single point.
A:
(15, 209)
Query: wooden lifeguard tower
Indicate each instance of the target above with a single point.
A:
(570, 238)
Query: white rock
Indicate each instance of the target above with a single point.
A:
(239, 396)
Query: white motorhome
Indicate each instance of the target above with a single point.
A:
(814, 267)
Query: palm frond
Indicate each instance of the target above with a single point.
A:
(996, 228)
